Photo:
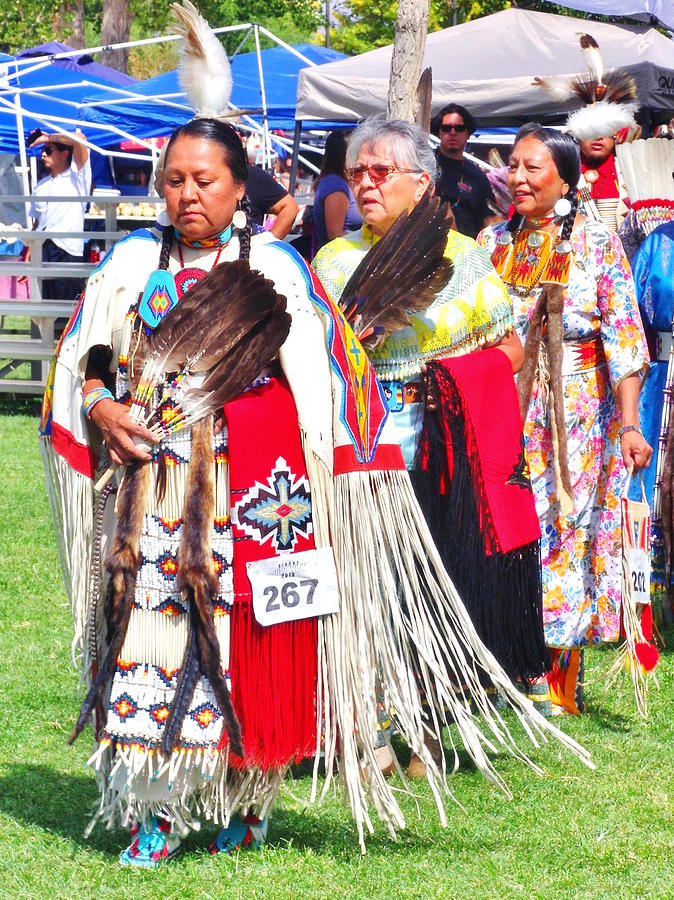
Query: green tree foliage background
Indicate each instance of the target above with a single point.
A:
(25, 23)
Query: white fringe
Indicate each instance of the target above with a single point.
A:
(400, 619)
(71, 500)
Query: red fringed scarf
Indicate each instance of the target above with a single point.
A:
(275, 703)
(493, 435)
(474, 489)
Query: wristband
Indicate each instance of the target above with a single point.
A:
(626, 428)
(93, 397)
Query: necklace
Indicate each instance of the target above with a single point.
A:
(221, 247)
(530, 257)
(533, 222)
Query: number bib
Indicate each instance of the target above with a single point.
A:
(297, 586)
(640, 573)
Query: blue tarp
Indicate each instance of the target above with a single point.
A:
(280, 69)
(84, 65)
(54, 91)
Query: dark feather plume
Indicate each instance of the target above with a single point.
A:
(213, 316)
(214, 330)
(402, 273)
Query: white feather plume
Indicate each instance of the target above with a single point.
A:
(593, 59)
(600, 119)
(558, 87)
(203, 70)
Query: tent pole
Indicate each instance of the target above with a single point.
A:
(22, 155)
(296, 153)
(266, 140)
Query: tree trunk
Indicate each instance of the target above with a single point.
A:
(115, 28)
(77, 37)
(408, 51)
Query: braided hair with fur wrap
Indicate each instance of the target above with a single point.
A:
(566, 156)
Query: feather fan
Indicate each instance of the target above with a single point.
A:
(215, 342)
(203, 70)
(403, 272)
(210, 340)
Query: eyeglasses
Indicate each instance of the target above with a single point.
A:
(48, 149)
(377, 173)
(460, 129)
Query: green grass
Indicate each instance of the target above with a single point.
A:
(569, 834)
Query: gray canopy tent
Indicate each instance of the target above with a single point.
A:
(488, 65)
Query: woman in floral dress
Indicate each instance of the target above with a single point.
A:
(577, 469)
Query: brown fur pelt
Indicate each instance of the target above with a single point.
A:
(198, 584)
(122, 565)
(548, 311)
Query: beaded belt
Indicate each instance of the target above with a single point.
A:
(663, 345)
(581, 356)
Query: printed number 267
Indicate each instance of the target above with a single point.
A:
(290, 593)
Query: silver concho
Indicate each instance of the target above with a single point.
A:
(535, 239)
(505, 239)
(563, 247)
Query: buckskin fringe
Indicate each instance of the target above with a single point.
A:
(403, 629)
(71, 501)
(202, 781)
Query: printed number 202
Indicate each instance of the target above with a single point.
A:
(290, 594)
(639, 581)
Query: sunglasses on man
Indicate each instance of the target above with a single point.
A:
(459, 129)
(48, 149)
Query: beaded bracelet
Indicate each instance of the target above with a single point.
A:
(626, 428)
(93, 397)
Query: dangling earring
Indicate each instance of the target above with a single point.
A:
(562, 208)
(239, 219)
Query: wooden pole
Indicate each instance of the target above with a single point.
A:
(408, 51)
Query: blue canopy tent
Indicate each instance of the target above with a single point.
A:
(166, 106)
(82, 63)
(46, 97)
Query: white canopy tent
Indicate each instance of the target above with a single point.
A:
(488, 65)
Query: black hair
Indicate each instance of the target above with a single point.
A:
(235, 156)
(334, 155)
(468, 119)
(566, 157)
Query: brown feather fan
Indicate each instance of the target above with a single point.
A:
(402, 273)
(210, 340)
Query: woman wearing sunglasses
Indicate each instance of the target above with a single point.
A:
(459, 181)
(390, 167)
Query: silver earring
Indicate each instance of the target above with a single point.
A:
(239, 219)
(562, 208)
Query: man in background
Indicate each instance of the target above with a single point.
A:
(68, 174)
(459, 181)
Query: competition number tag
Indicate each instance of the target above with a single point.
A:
(297, 586)
(640, 573)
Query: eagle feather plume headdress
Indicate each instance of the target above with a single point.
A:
(609, 97)
(204, 72)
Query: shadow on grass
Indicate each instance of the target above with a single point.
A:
(62, 804)
(20, 405)
(57, 802)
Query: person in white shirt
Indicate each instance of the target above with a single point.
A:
(68, 168)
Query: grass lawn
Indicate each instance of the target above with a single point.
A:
(570, 834)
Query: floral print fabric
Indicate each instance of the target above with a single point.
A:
(581, 553)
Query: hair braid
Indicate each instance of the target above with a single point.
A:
(165, 252)
(245, 232)
(515, 222)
